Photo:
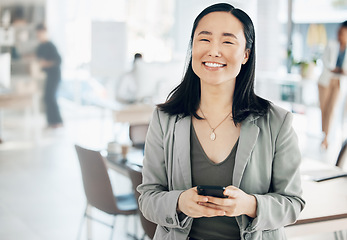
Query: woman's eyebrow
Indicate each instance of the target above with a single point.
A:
(223, 34)
(229, 35)
(205, 32)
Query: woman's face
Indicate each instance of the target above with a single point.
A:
(218, 48)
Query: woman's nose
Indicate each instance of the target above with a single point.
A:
(214, 50)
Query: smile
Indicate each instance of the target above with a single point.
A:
(213, 65)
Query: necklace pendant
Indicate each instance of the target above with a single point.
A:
(213, 136)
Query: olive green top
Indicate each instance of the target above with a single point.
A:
(206, 172)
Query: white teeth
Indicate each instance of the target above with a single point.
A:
(209, 64)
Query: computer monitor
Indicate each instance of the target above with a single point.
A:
(5, 71)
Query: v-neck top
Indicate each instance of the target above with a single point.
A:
(206, 172)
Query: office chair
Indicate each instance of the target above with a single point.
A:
(98, 189)
(135, 173)
(137, 134)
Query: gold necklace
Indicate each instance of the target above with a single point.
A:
(213, 135)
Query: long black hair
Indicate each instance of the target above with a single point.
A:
(185, 98)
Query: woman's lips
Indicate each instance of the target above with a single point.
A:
(213, 65)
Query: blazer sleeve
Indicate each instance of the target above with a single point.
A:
(156, 202)
(283, 204)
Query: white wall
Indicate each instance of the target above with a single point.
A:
(109, 49)
(56, 20)
(268, 37)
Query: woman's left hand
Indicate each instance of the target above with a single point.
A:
(237, 203)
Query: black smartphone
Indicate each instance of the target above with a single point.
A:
(214, 191)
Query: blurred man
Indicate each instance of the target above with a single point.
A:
(127, 87)
(49, 60)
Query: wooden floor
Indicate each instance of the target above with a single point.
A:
(41, 192)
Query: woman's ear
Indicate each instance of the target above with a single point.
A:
(247, 52)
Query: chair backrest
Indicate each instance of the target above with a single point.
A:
(135, 173)
(137, 134)
(342, 158)
(96, 181)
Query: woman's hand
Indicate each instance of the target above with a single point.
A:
(337, 70)
(192, 205)
(237, 203)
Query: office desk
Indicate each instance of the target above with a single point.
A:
(16, 100)
(116, 163)
(24, 94)
(26, 98)
(134, 113)
(326, 202)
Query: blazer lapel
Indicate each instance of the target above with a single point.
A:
(182, 145)
(248, 137)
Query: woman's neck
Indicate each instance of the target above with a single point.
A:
(217, 99)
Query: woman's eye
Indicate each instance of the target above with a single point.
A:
(204, 40)
(228, 42)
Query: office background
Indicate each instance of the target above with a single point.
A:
(41, 192)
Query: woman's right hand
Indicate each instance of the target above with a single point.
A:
(337, 70)
(189, 203)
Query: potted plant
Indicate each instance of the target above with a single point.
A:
(306, 68)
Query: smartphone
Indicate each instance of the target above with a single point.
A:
(214, 191)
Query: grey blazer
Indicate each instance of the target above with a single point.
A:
(266, 165)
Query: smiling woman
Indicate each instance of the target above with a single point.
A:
(214, 130)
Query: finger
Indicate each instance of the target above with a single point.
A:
(197, 197)
(210, 205)
(198, 210)
(210, 212)
(228, 211)
(220, 201)
(231, 191)
(200, 198)
(193, 209)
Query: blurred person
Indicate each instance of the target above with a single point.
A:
(49, 60)
(214, 130)
(19, 23)
(127, 86)
(335, 67)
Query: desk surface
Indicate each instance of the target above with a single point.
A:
(326, 204)
(16, 100)
(115, 161)
(134, 113)
(22, 95)
(326, 200)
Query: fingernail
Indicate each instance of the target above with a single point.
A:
(227, 192)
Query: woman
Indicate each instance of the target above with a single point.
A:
(213, 130)
(335, 67)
